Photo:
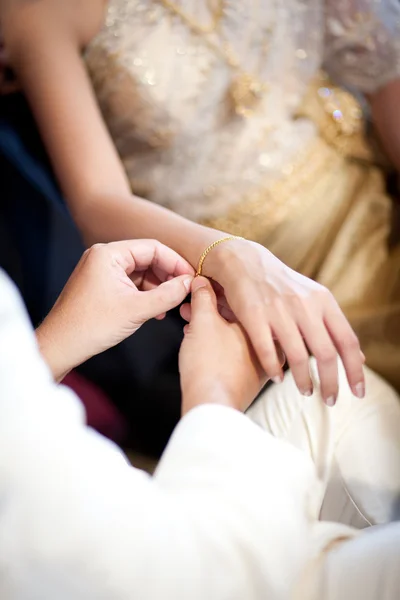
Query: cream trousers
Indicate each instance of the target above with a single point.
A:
(356, 451)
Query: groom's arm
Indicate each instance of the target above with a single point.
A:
(224, 516)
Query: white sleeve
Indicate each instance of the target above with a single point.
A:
(224, 517)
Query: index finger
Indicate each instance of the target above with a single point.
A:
(139, 255)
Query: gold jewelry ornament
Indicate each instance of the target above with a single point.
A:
(246, 89)
(211, 247)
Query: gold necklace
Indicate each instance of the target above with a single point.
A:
(246, 89)
(201, 29)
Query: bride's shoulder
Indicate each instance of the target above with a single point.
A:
(82, 18)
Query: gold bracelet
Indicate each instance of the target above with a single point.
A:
(211, 247)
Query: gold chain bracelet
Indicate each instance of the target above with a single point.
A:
(211, 247)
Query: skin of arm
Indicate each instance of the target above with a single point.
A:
(45, 39)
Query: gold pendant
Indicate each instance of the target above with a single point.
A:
(246, 93)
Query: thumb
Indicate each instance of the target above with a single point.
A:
(163, 298)
(204, 300)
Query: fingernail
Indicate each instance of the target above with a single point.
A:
(307, 393)
(359, 390)
(331, 401)
(187, 283)
(277, 379)
(198, 283)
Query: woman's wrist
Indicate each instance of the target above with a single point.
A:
(223, 257)
(193, 239)
(188, 238)
(123, 216)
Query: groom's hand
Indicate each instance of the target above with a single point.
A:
(217, 363)
(114, 289)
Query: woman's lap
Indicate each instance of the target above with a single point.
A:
(354, 446)
(364, 567)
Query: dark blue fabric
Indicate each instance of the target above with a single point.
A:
(31, 204)
(39, 247)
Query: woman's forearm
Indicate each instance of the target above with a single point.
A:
(84, 157)
(112, 217)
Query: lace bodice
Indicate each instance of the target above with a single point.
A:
(164, 88)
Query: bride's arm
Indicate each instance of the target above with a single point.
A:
(225, 516)
(45, 39)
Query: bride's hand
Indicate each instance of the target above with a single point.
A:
(272, 301)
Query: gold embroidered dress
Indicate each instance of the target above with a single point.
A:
(219, 112)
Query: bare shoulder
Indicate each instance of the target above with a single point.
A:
(82, 19)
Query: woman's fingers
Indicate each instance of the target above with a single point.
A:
(256, 324)
(287, 333)
(322, 348)
(267, 296)
(348, 347)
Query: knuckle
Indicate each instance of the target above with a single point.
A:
(297, 358)
(305, 306)
(256, 309)
(291, 306)
(325, 354)
(324, 293)
(96, 249)
(299, 302)
(269, 355)
(322, 298)
(350, 342)
(277, 304)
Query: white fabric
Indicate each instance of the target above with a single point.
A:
(229, 514)
(355, 446)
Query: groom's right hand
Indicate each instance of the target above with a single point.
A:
(217, 363)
